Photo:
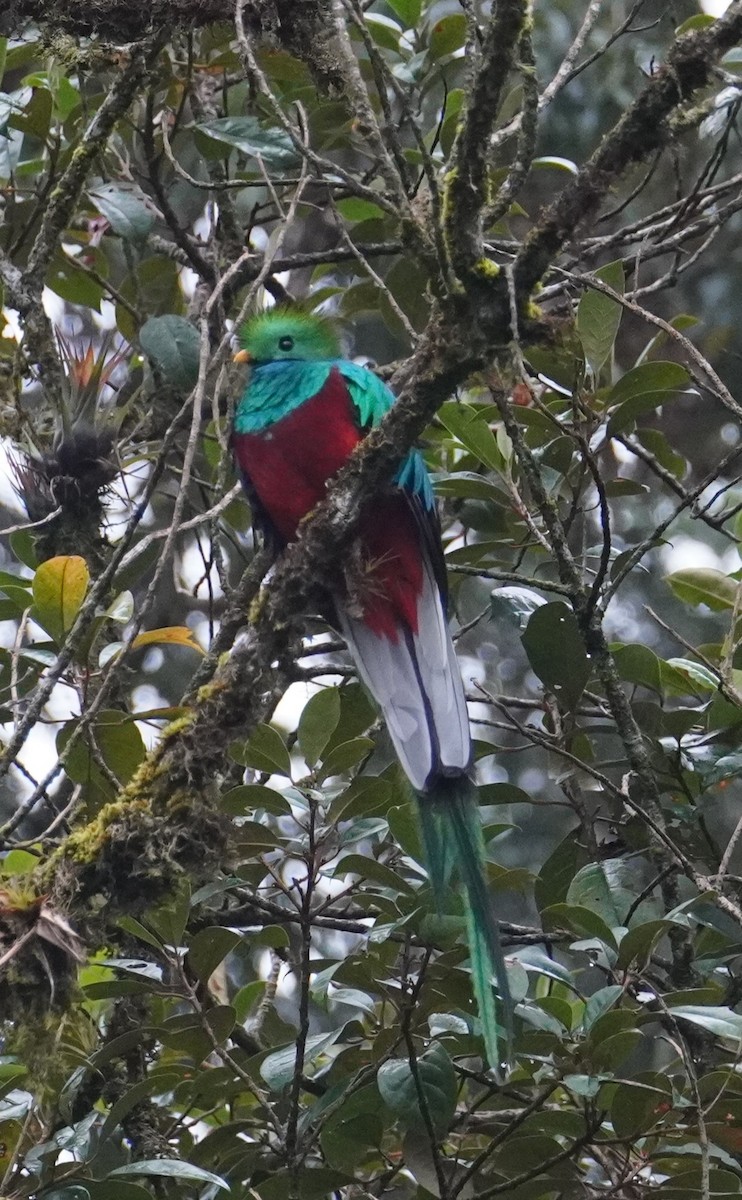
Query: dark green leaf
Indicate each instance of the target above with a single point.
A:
(600, 1002)
(128, 211)
(447, 35)
(703, 585)
(638, 1104)
(253, 139)
(371, 869)
(172, 344)
(408, 10)
(265, 751)
(465, 424)
(558, 871)
(599, 317)
(436, 1080)
(245, 799)
(642, 390)
(171, 1168)
(116, 1189)
(346, 755)
(556, 651)
(515, 604)
(720, 1021)
(278, 1068)
(209, 948)
(608, 888)
(318, 722)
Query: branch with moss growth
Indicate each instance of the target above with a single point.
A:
(466, 180)
(167, 820)
(66, 193)
(644, 128)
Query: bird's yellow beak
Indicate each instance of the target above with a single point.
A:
(242, 356)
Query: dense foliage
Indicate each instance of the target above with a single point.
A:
(222, 969)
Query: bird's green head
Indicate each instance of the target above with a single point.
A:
(285, 334)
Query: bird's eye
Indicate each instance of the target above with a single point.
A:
(286, 343)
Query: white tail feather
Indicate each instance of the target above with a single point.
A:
(417, 685)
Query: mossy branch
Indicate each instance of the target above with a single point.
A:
(466, 181)
(644, 128)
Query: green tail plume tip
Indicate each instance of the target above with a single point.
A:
(454, 844)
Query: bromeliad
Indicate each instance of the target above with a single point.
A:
(304, 410)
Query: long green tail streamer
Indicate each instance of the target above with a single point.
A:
(452, 835)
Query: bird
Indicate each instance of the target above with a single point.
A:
(304, 410)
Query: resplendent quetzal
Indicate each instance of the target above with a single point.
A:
(304, 410)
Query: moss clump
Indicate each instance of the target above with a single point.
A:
(256, 608)
(208, 691)
(85, 844)
(486, 269)
(449, 182)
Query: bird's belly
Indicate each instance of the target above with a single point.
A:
(290, 462)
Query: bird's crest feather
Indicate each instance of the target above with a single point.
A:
(290, 334)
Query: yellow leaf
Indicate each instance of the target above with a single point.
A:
(59, 588)
(174, 635)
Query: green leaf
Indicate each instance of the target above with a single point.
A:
(265, 750)
(699, 676)
(278, 1068)
(128, 211)
(346, 755)
(310, 1183)
(171, 1168)
(318, 722)
(168, 920)
(248, 797)
(437, 1081)
(720, 1021)
(600, 1002)
(138, 930)
(558, 871)
(600, 887)
(253, 139)
(354, 208)
(371, 869)
(172, 344)
(516, 604)
(385, 32)
(657, 444)
(18, 862)
(704, 585)
(73, 1191)
(586, 1086)
(447, 35)
(59, 588)
(642, 390)
(472, 431)
(209, 948)
(599, 317)
(584, 922)
(357, 713)
(408, 10)
(119, 742)
(639, 943)
(405, 829)
(556, 651)
(637, 1103)
(358, 1123)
